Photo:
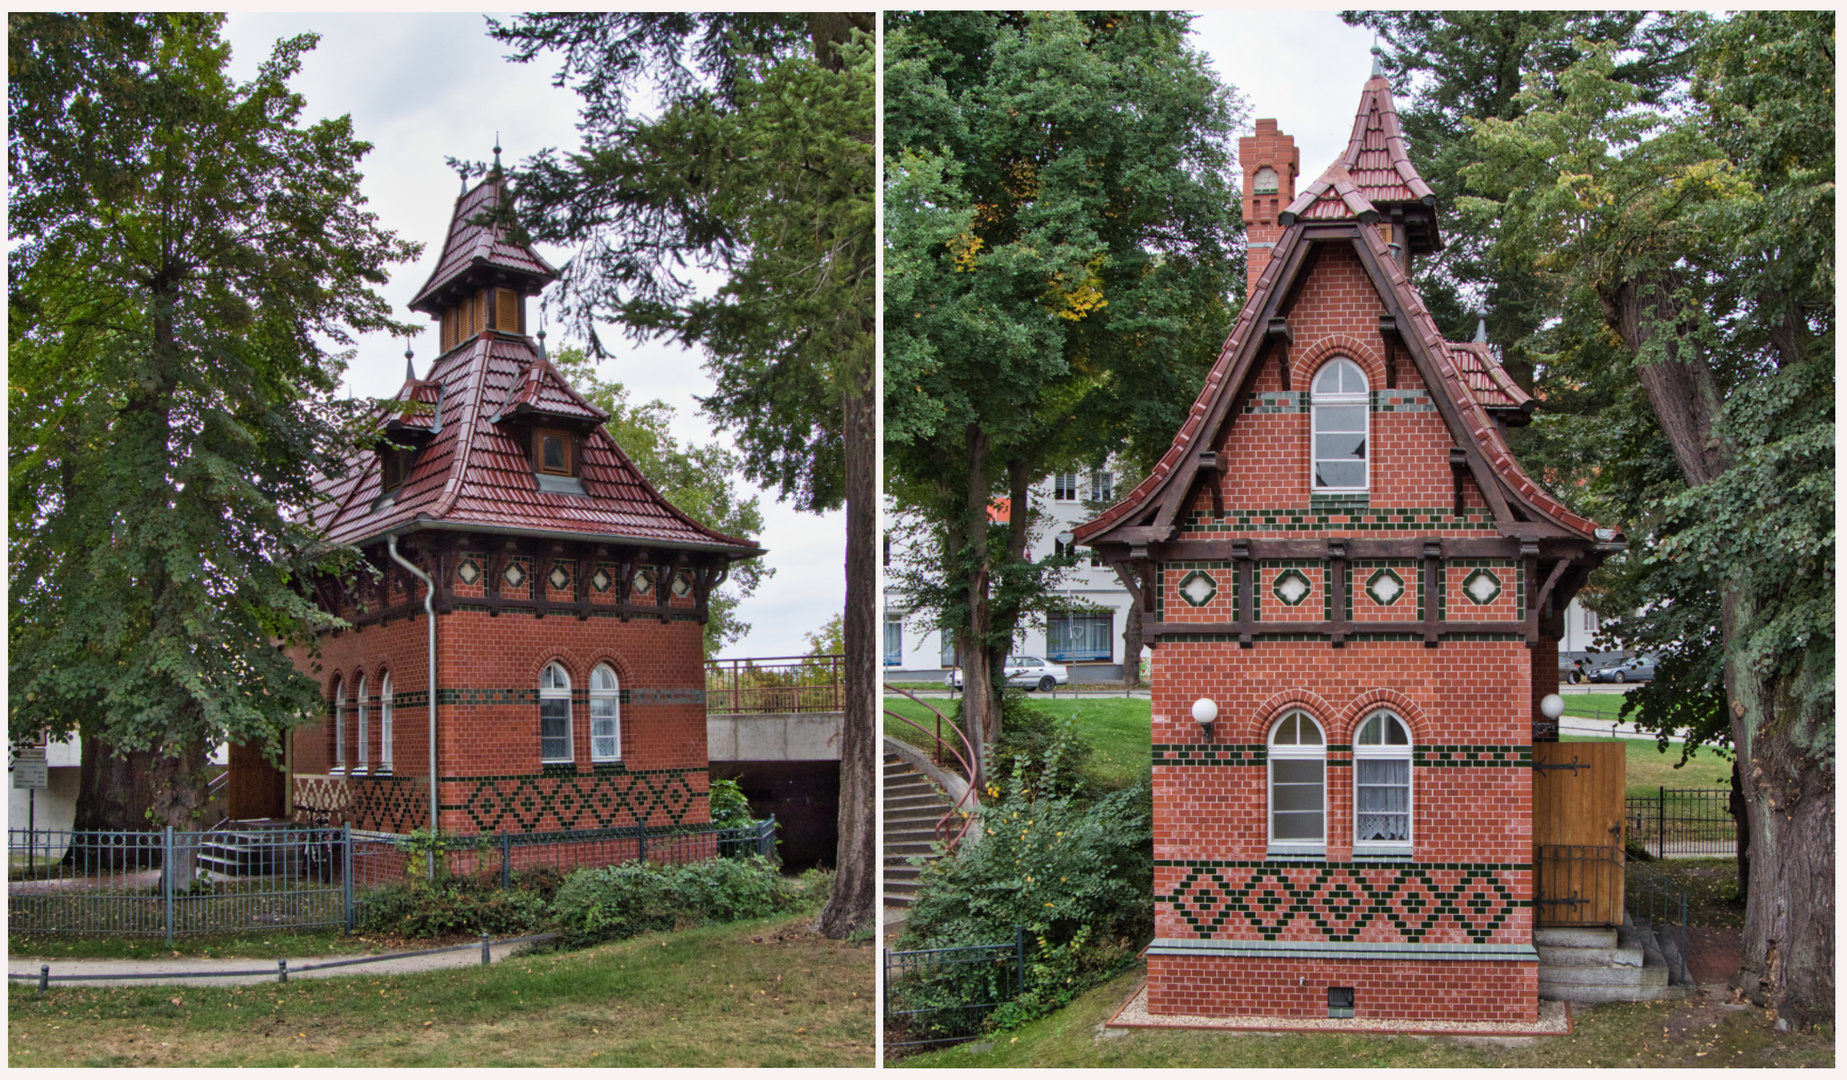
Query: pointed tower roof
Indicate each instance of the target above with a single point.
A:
(476, 255)
(1376, 153)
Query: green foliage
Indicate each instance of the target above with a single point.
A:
(1060, 229)
(1054, 757)
(453, 905)
(422, 846)
(614, 902)
(184, 258)
(698, 479)
(1078, 876)
(730, 809)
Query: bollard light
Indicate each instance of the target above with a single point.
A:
(1205, 711)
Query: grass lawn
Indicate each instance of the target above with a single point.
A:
(1596, 706)
(1699, 1032)
(1649, 768)
(767, 992)
(1117, 729)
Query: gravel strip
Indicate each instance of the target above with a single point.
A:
(1554, 1019)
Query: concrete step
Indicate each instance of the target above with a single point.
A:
(1582, 937)
(1603, 976)
(1579, 956)
(919, 801)
(1588, 994)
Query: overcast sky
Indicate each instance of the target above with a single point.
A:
(422, 87)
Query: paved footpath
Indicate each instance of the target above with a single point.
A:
(265, 969)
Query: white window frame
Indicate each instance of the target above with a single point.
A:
(1102, 485)
(889, 656)
(612, 696)
(365, 761)
(556, 692)
(1064, 487)
(339, 725)
(1385, 752)
(1317, 399)
(384, 722)
(1298, 752)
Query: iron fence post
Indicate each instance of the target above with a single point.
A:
(1019, 959)
(346, 872)
(506, 860)
(641, 842)
(1661, 820)
(166, 877)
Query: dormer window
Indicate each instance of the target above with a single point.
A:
(553, 452)
(395, 465)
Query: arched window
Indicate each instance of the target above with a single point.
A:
(339, 724)
(364, 758)
(554, 714)
(1382, 784)
(1298, 785)
(1338, 403)
(605, 715)
(384, 722)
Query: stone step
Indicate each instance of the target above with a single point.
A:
(1590, 994)
(1582, 937)
(1602, 976)
(1583, 956)
(908, 801)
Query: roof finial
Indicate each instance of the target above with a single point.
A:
(496, 151)
(542, 355)
(1378, 58)
(410, 370)
(1481, 327)
(461, 170)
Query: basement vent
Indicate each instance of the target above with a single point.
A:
(1340, 1003)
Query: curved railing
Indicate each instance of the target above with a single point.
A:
(947, 832)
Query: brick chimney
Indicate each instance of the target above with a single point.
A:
(1271, 163)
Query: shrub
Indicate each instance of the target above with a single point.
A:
(730, 809)
(1079, 877)
(451, 906)
(612, 902)
(1045, 746)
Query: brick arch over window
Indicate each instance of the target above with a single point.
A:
(1273, 710)
(625, 673)
(1354, 712)
(573, 665)
(1302, 369)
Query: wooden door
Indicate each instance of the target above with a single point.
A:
(256, 787)
(1578, 833)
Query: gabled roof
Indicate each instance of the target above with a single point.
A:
(1466, 380)
(475, 473)
(541, 390)
(476, 249)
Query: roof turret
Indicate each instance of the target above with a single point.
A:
(476, 255)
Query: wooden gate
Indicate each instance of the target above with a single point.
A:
(1578, 833)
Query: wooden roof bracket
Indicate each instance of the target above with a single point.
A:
(1426, 367)
(1388, 336)
(1529, 563)
(1211, 473)
(1277, 334)
(1241, 558)
(1458, 468)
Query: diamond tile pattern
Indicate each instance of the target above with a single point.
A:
(538, 802)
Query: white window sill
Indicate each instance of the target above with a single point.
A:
(1296, 853)
(1382, 851)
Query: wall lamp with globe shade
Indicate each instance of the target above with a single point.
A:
(1205, 711)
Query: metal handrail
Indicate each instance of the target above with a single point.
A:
(969, 768)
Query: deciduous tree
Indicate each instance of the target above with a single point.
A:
(183, 254)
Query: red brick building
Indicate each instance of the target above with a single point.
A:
(568, 594)
(1340, 557)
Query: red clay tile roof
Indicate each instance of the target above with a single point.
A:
(540, 389)
(476, 472)
(468, 245)
(1376, 156)
(1485, 376)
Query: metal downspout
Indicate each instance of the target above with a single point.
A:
(429, 611)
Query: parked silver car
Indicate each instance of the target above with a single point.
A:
(1030, 672)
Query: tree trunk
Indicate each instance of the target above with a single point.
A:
(980, 704)
(1132, 647)
(851, 904)
(1741, 820)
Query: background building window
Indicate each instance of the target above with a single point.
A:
(948, 655)
(1339, 407)
(1070, 637)
(384, 723)
(1382, 783)
(605, 715)
(1298, 785)
(894, 639)
(364, 735)
(1102, 486)
(554, 714)
(1064, 487)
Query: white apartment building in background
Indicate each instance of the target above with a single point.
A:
(1085, 633)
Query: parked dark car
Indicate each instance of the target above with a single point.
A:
(1634, 669)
